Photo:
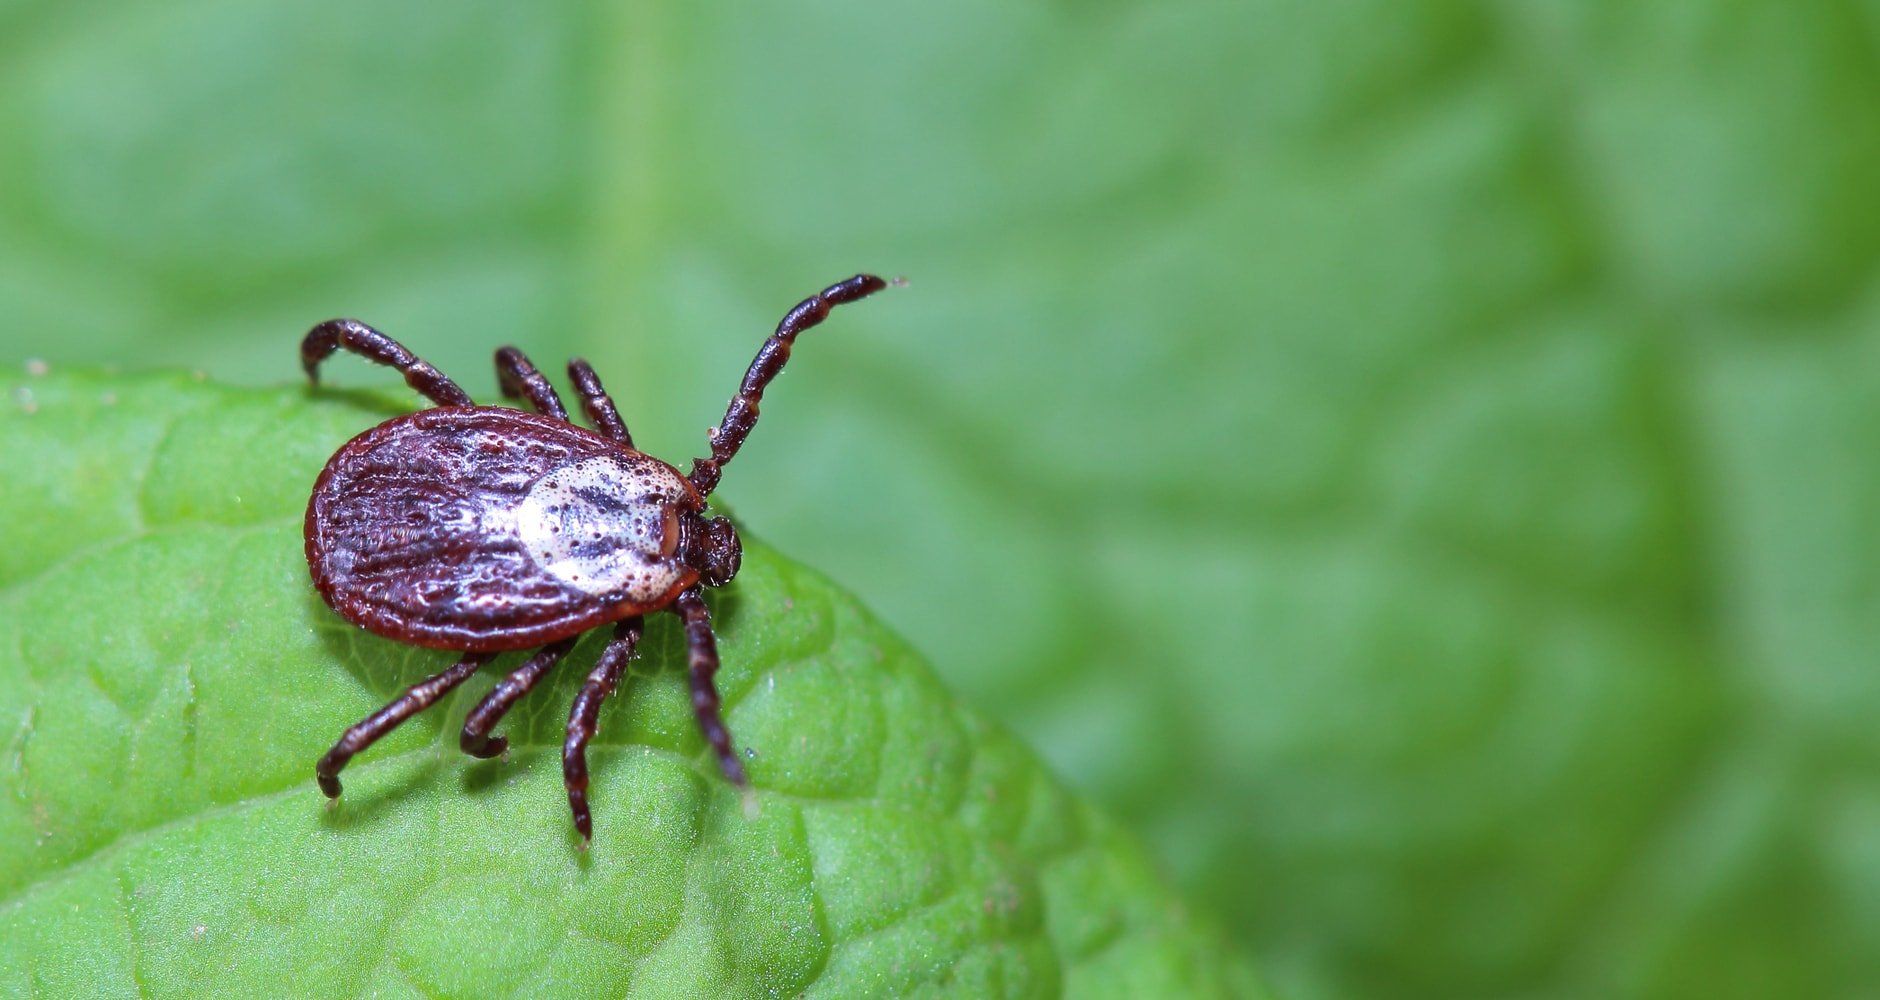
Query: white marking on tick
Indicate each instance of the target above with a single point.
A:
(597, 525)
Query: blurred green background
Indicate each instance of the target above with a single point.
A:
(1414, 461)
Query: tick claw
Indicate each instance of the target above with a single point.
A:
(583, 820)
(485, 749)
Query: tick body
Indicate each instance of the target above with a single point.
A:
(484, 529)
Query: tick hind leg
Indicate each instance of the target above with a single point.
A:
(360, 339)
(586, 713)
(595, 402)
(702, 668)
(367, 731)
(476, 739)
(519, 379)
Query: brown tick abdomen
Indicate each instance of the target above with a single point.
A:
(484, 528)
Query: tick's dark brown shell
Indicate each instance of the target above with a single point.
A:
(483, 528)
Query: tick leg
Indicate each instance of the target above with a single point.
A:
(595, 402)
(519, 379)
(741, 415)
(360, 339)
(586, 712)
(703, 665)
(476, 740)
(367, 731)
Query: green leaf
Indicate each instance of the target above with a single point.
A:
(1413, 460)
(172, 675)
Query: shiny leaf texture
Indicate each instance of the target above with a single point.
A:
(171, 676)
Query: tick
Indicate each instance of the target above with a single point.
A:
(484, 529)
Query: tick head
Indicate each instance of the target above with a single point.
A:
(713, 549)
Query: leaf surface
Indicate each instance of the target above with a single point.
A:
(172, 677)
(1411, 459)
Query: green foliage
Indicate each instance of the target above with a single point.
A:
(1412, 459)
(171, 676)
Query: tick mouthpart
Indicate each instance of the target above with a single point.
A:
(714, 549)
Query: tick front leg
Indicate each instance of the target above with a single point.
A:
(741, 415)
(367, 731)
(360, 339)
(586, 713)
(595, 402)
(519, 379)
(703, 666)
(476, 739)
